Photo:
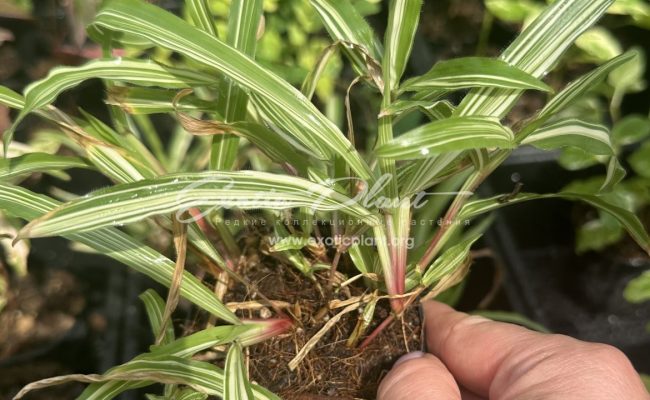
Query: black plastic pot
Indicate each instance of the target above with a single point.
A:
(545, 280)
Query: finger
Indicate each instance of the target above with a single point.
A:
(500, 360)
(418, 376)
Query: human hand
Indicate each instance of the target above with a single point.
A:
(476, 358)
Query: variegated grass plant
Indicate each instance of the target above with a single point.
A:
(310, 167)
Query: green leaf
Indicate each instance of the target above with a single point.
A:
(629, 77)
(126, 203)
(640, 160)
(626, 218)
(592, 138)
(27, 205)
(236, 383)
(638, 290)
(598, 234)
(469, 72)
(574, 158)
(516, 11)
(308, 125)
(403, 18)
(631, 129)
(451, 134)
(38, 162)
(599, 44)
(451, 259)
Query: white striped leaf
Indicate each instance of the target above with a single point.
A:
(469, 72)
(154, 306)
(144, 73)
(448, 261)
(27, 205)
(536, 50)
(236, 383)
(10, 98)
(403, 18)
(345, 24)
(434, 110)
(592, 138)
(243, 24)
(451, 134)
(626, 218)
(38, 162)
(309, 126)
(584, 84)
(184, 347)
(201, 376)
(140, 100)
(199, 13)
(126, 203)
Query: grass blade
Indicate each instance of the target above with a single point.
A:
(243, 24)
(626, 218)
(451, 134)
(144, 73)
(126, 203)
(593, 138)
(469, 72)
(309, 126)
(236, 383)
(38, 162)
(27, 205)
(403, 17)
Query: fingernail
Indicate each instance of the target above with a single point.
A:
(410, 356)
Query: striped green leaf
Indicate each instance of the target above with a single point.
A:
(199, 13)
(344, 23)
(183, 347)
(144, 73)
(451, 259)
(10, 98)
(469, 72)
(38, 162)
(403, 18)
(536, 50)
(309, 126)
(243, 24)
(626, 218)
(140, 100)
(126, 203)
(154, 305)
(451, 134)
(236, 383)
(27, 205)
(584, 84)
(593, 138)
(434, 110)
(201, 376)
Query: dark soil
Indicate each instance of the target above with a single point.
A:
(331, 369)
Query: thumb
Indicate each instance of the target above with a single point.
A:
(418, 376)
